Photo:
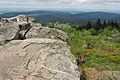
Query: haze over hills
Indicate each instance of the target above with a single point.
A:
(65, 17)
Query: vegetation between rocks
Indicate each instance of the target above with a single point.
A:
(98, 49)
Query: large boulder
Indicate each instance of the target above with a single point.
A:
(37, 59)
(23, 27)
(21, 19)
(13, 28)
(45, 32)
(9, 32)
(13, 32)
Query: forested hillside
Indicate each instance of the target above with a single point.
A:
(76, 19)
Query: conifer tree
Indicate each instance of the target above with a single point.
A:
(89, 25)
(98, 24)
(104, 24)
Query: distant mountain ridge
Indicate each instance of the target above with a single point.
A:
(66, 17)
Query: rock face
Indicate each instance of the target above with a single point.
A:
(34, 52)
(37, 59)
(22, 27)
(9, 32)
(45, 32)
(14, 28)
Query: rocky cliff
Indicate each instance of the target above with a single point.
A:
(29, 51)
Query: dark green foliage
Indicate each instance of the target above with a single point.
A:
(100, 24)
(104, 24)
(89, 25)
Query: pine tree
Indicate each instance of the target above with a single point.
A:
(98, 24)
(116, 24)
(89, 25)
(108, 23)
(104, 24)
(112, 23)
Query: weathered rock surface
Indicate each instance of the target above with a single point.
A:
(14, 28)
(9, 32)
(19, 19)
(37, 59)
(44, 32)
(2, 39)
(33, 52)
(22, 27)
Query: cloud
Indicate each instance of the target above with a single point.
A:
(72, 1)
(79, 4)
(114, 1)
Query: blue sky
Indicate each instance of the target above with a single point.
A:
(71, 4)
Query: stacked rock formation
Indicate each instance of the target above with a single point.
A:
(29, 51)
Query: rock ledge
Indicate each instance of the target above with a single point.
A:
(34, 52)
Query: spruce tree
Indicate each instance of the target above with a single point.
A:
(104, 24)
(89, 25)
(116, 24)
(98, 24)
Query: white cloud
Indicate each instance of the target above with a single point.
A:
(81, 1)
(84, 4)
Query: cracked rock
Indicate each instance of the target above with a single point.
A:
(29, 51)
(37, 59)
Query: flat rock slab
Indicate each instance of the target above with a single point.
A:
(37, 59)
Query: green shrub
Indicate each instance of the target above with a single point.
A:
(98, 48)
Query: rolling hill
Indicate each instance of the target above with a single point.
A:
(66, 17)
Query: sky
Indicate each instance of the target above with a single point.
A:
(62, 4)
